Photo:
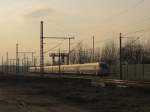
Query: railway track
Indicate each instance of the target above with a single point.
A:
(121, 83)
(97, 81)
(106, 81)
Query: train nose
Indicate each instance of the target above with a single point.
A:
(104, 69)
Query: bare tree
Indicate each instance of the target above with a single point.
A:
(81, 54)
(109, 53)
(133, 53)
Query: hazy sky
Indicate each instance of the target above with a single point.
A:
(20, 20)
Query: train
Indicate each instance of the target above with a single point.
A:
(97, 69)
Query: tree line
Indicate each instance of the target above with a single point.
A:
(137, 53)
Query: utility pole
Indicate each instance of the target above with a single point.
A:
(22, 65)
(120, 38)
(9, 63)
(7, 66)
(14, 65)
(69, 51)
(121, 56)
(93, 48)
(59, 61)
(17, 59)
(2, 65)
(32, 53)
(32, 58)
(35, 61)
(27, 64)
(41, 50)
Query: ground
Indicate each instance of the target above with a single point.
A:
(40, 94)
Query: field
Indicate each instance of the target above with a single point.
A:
(39, 94)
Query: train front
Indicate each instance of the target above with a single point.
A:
(104, 69)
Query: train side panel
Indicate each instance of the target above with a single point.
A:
(72, 69)
(91, 68)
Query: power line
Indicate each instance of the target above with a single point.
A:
(76, 45)
(59, 44)
(133, 41)
(139, 31)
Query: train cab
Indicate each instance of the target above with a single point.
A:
(104, 69)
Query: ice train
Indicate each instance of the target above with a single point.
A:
(98, 69)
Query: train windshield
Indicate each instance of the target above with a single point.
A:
(103, 66)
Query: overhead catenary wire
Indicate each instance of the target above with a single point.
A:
(77, 43)
(139, 31)
(58, 45)
(132, 42)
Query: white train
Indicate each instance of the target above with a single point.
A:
(100, 69)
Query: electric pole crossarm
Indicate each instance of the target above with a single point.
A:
(11, 59)
(59, 38)
(27, 52)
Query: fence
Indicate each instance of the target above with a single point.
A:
(132, 72)
(12, 69)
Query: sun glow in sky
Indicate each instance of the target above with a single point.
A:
(20, 20)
